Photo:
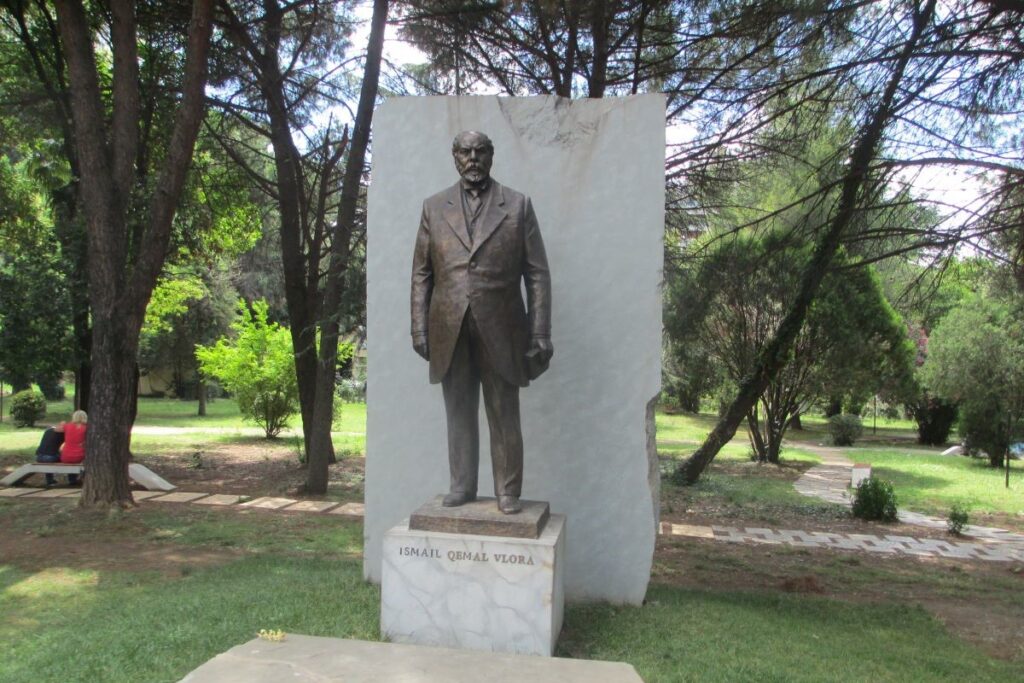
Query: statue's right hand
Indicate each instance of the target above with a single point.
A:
(421, 346)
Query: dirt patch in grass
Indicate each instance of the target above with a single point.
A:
(32, 552)
(250, 466)
(246, 467)
(979, 602)
(255, 467)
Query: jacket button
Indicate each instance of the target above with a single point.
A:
(472, 264)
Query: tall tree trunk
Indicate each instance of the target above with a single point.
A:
(320, 443)
(754, 428)
(301, 293)
(201, 395)
(773, 357)
(110, 420)
(597, 81)
(121, 279)
(774, 433)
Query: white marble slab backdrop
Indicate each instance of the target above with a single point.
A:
(595, 172)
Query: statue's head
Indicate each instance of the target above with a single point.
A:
(473, 153)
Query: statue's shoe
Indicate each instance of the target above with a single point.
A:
(457, 498)
(509, 504)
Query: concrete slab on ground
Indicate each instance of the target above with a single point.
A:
(180, 497)
(55, 493)
(312, 506)
(16, 491)
(305, 659)
(146, 495)
(350, 510)
(269, 503)
(687, 530)
(219, 499)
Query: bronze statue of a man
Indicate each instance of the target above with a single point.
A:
(478, 242)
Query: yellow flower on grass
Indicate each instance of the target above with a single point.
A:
(274, 635)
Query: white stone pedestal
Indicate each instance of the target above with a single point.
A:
(476, 592)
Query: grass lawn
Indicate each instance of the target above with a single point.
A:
(150, 594)
(931, 483)
(222, 424)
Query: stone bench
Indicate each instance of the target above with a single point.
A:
(309, 659)
(140, 474)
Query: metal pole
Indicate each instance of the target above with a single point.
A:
(874, 416)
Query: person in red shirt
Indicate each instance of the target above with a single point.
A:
(73, 450)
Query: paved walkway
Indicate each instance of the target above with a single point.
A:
(352, 510)
(830, 480)
(992, 551)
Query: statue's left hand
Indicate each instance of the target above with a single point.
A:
(543, 348)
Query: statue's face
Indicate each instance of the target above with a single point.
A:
(473, 157)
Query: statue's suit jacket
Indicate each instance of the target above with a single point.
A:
(452, 273)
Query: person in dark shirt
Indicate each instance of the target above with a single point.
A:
(49, 449)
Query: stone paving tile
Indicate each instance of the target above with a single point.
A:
(18, 491)
(733, 539)
(311, 506)
(147, 495)
(934, 543)
(219, 499)
(958, 553)
(690, 530)
(996, 555)
(887, 547)
(269, 503)
(764, 541)
(349, 510)
(899, 539)
(918, 552)
(54, 493)
(179, 497)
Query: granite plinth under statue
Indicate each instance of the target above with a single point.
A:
(478, 243)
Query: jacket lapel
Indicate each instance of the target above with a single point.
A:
(455, 218)
(494, 213)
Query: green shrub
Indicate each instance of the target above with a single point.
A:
(874, 499)
(258, 367)
(27, 407)
(957, 519)
(844, 429)
(984, 431)
(935, 418)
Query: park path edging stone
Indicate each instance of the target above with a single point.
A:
(869, 543)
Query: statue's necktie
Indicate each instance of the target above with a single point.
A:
(473, 203)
